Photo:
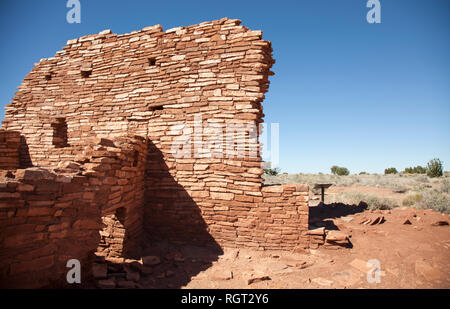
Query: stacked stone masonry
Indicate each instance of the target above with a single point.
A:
(51, 215)
(112, 107)
(9, 149)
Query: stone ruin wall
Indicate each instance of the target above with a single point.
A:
(49, 216)
(9, 149)
(150, 83)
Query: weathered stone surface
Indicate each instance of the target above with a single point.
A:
(133, 276)
(99, 271)
(257, 278)
(102, 119)
(107, 283)
(222, 275)
(362, 266)
(151, 260)
(440, 223)
(336, 236)
(322, 282)
(319, 231)
(125, 284)
(426, 269)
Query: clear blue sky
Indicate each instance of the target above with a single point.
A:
(364, 96)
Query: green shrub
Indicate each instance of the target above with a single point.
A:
(435, 168)
(340, 171)
(334, 169)
(272, 171)
(363, 173)
(415, 170)
(391, 170)
(420, 170)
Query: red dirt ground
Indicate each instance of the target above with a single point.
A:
(415, 255)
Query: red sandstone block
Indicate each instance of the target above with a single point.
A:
(63, 204)
(40, 228)
(38, 264)
(244, 198)
(256, 193)
(40, 211)
(59, 235)
(23, 187)
(20, 229)
(47, 187)
(46, 250)
(199, 194)
(87, 224)
(222, 196)
(9, 195)
(22, 239)
(109, 181)
(71, 188)
(88, 195)
(269, 194)
(301, 198)
(35, 174)
(273, 200)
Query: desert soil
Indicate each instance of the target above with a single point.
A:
(415, 255)
(411, 254)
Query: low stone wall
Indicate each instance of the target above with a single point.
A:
(273, 218)
(123, 213)
(46, 219)
(283, 217)
(49, 216)
(9, 149)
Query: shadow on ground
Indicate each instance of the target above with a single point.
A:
(322, 214)
(175, 238)
(179, 263)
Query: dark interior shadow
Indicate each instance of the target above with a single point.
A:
(175, 232)
(322, 214)
(24, 154)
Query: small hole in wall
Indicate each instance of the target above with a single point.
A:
(136, 158)
(48, 76)
(151, 62)
(60, 133)
(156, 108)
(120, 214)
(86, 74)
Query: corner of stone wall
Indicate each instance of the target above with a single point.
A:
(9, 149)
(50, 215)
(283, 217)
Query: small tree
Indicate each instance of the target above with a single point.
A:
(415, 170)
(435, 168)
(391, 170)
(334, 169)
(341, 171)
(272, 171)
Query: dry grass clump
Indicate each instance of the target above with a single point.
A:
(423, 192)
(429, 199)
(393, 181)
